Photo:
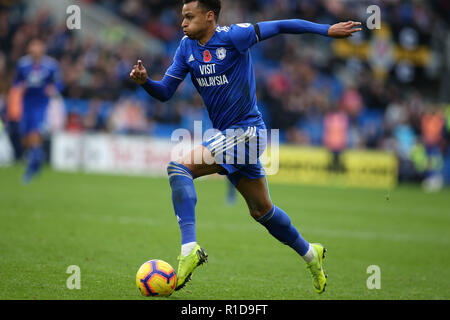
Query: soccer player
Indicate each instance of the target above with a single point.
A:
(219, 62)
(38, 77)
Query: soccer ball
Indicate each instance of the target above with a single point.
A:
(156, 278)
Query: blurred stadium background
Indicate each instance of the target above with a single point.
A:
(385, 90)
(371, 111)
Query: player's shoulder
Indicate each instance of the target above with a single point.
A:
(24, 61)
(234, 31)
(234, 27)
(239, 27)
(184, 43)
(50, 62)
(222, 36)
(184, 40)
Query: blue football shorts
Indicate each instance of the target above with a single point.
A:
(238, 150)
(33, 120)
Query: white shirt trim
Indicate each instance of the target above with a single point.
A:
(174, 77)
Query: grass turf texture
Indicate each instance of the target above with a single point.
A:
(110, 225)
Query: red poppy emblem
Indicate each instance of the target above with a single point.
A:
(207, 56)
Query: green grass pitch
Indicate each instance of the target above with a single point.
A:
(110, 225)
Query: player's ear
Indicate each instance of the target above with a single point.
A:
(210, 16)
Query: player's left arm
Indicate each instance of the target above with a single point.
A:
(268, 29)
(245, 35)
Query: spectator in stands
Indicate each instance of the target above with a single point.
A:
(335, 139)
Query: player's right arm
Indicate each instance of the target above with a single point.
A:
(165, 89)
(162, 90)
(19, 77)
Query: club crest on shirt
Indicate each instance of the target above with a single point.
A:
(207, 56)
(221, 53)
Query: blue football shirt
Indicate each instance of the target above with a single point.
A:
(222, 72)
(35, 77)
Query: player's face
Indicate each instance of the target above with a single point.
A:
(36, 49)
(195, 20)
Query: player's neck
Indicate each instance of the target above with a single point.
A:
(208, 35)
(36, 60)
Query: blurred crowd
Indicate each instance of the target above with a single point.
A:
(310, 94)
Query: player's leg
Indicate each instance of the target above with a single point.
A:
(279, 225)
(184, 198)
(231, 193)
(274, 219)
(31, 126)
(35, 156)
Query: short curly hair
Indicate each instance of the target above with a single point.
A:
(213, 5)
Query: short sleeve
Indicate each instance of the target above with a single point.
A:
(243, 36)
(179, 68)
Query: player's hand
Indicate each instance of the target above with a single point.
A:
(51, 91)
(344, 29)
(139, 74)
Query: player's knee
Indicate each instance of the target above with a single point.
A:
(260, 210)
(34, 139)
(184, 164)
(256, 214)
(177, 169)
(182, 189)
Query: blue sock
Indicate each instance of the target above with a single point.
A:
(34, 162)
(279, 225)
(184, 199)
(231, 193)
